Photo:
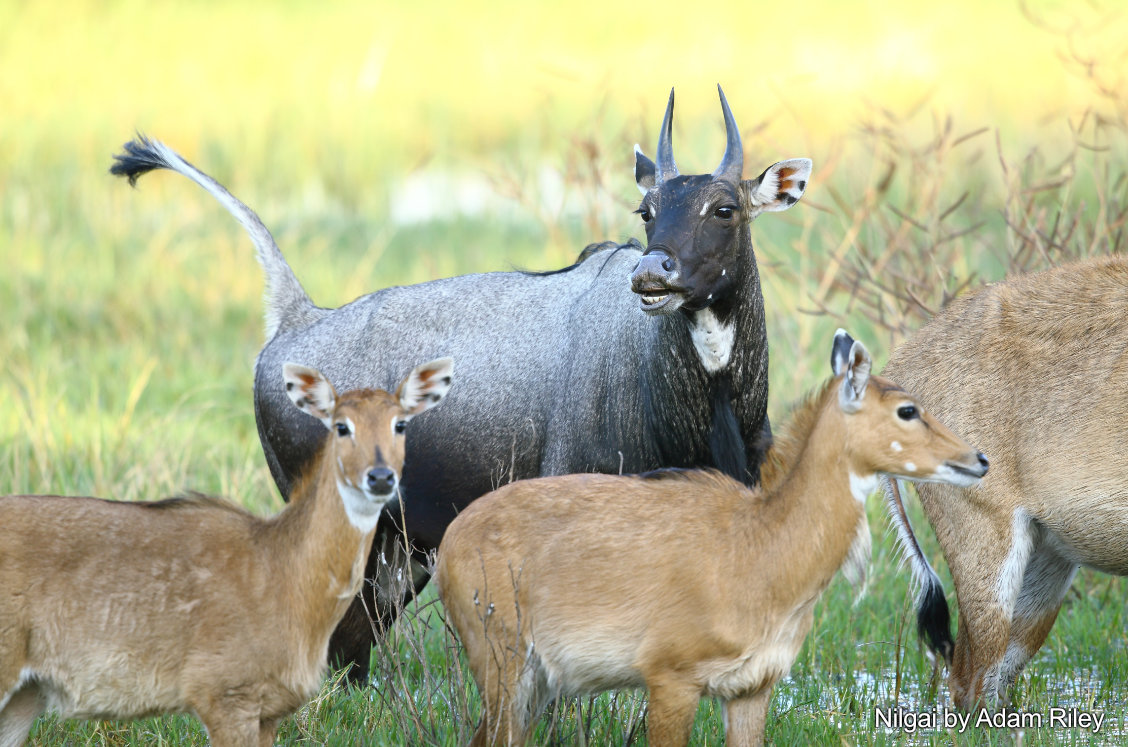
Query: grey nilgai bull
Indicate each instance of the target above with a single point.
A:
(629, 360)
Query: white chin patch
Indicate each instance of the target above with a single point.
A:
(944, 473)
(712, 340)
(363, 512)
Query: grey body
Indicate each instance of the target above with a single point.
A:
(558, 373)
(630, 360)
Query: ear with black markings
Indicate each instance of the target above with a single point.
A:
(840, 351)
(310, 391)
(425, 386)
(855, 378)
(645, 171)
(779, 187)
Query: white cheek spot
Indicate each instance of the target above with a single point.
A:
(862, 487)
(896, 446)
(910, 467)
(724, 272)
(704, 209)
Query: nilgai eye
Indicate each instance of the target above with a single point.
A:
(401, 426)
(907, 412)
(342, 429)
(644, 214)
(724, 212)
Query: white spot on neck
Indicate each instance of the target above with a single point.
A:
(862, 487)
(896, 446)
(712, 340)
(363, 513)
(910, 467)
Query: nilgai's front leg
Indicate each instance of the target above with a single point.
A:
(392, 579)
(673, 705)
(1047, 579)
(745, 718)
(231, 725)
(18, 715)
(988, 567)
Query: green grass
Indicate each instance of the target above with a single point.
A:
(131, 318)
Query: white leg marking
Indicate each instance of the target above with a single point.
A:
(712, 340)
(1014, 566)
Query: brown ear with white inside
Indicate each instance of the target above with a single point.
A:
(779, 187)
(310, 391)
(425, 386)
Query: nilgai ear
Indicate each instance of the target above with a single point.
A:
(310, 391)
(856, 377)
(840, 351)
(645, 171)
(425, 386)
(779, 187)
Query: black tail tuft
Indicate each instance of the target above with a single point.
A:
(140, 157)
(934, 624)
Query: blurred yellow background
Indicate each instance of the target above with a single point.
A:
(429, 76)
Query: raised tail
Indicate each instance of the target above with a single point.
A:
(286, 303)
(934, 624)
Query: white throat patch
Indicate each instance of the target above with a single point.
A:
(712, 340)
(862, 487)
(362, 512)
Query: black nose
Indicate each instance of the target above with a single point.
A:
(983, 461)
(668, 264)
(381, 480)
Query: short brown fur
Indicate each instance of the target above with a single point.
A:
(1035, 371)
(124, 610)
(688, 584)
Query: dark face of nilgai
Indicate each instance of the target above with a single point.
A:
(693, 230)
(696, 226)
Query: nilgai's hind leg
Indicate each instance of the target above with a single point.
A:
(745, 718)
(19, 714)
(514, 691)
(988, 570)
(1047, 579)
(669, 719)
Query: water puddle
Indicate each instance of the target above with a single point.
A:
(1080, 709)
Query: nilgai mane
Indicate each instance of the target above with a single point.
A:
(629, 360)
(1032, 370)
(688, 583)
(123, 610)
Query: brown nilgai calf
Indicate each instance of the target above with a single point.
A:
(122, 610)
(684, 582)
